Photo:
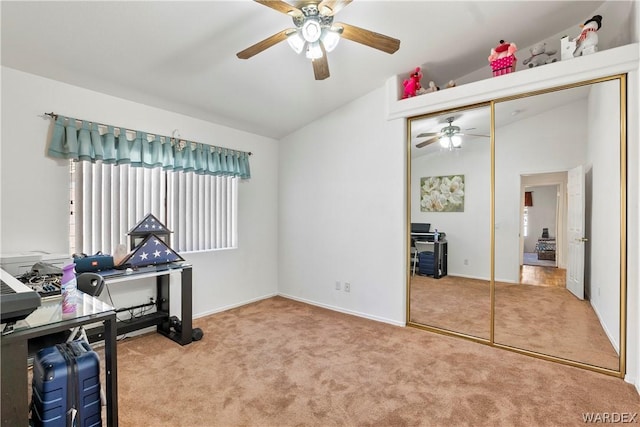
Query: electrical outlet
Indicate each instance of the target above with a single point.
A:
(347, 287)
(466, 262)
(337, 285)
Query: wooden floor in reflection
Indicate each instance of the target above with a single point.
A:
(543, 276)
(538, 314)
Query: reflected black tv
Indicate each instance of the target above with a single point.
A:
(420, 227)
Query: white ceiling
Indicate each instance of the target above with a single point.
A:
(477, 121)
(181, 56)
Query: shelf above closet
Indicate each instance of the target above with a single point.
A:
(604, 63)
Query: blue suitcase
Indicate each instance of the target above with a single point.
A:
(66, 386)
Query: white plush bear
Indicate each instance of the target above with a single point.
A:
(540, 56)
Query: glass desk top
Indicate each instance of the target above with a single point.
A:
(50, 311)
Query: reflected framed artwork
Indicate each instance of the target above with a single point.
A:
(442, 193)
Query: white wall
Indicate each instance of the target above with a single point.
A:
(342, 217)
(603, 159)
(633, 217)
(34, 192)
(468, 232)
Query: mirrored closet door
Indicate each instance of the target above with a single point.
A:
(450, 243)
(559, 160)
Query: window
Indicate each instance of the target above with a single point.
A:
(108, 200)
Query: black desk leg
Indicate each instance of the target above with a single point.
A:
(183, 334)
(111, 368)
(15, 408)
(163, 303)
(186, 309)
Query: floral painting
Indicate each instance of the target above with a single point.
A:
(442, 193)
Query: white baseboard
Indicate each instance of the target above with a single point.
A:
(633, 381)
(613, 341)
(229, 307)
(342, 310)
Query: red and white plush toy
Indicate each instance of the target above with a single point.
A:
(503, 50)
(412, 84)
(502, 58)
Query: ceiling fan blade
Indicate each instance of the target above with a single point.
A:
(473, 134)
(369, 38)
(264, 44)
(321, 65)
(427, 142)
(281, 6)
(422, 135)
(331, 7)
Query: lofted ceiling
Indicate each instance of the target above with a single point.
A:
(181, 56)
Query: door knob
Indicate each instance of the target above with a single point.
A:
(583, 239)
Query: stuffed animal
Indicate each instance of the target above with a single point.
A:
(432, 87)
(540, 56)
(587, 41)
(503, 59)
(503, 50)
(450, 84)
(412, 84)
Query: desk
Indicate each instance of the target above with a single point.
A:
(440, 253)
(161, 317)
(47, 320)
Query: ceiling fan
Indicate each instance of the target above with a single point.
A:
(449, 136)
(316, 33)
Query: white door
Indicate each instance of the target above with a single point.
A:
(575, 232)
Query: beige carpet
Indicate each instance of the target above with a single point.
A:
(279, 362)
(543, 319)
(452, 303)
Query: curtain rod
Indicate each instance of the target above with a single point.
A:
(55, 116)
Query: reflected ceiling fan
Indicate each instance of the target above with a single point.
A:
(316, 33)
(449, 136)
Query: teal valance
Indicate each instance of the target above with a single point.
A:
(81, 140)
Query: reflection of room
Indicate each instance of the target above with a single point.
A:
(467, 232)
(590, 117)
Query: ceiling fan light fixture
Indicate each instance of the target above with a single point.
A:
(311, 30)
(314, 51)
(296, 41)
(450, 142)
(330, 39)
(456, 141)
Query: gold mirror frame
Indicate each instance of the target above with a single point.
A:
(621, 78)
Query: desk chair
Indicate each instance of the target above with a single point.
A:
(420, 246)
(91, 284)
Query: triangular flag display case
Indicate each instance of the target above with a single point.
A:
(149, 225)
(149, 240)
(151, 251)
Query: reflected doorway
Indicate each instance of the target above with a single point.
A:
(541, 219)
